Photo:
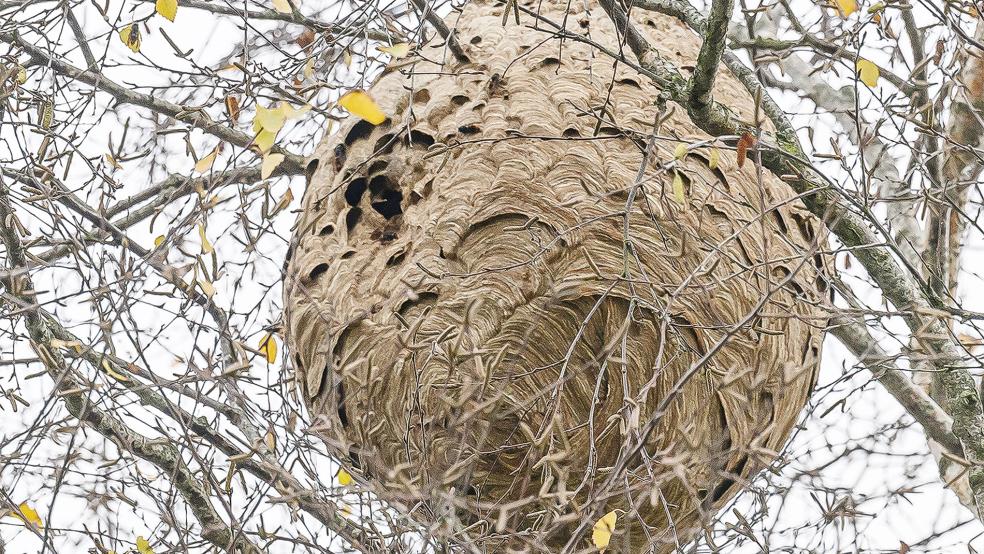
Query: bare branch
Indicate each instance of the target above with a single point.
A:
(711, 49)
(195, 118)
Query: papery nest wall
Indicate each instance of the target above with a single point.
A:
(507, 329)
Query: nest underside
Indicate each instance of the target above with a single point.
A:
(504, 324)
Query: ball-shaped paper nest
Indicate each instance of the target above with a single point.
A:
(507, 329)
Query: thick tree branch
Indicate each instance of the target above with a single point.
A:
(854, 334)
(448, 34)
(787, 159)
(709, 57)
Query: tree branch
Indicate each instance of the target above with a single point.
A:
(435, 21)
(162, 454)
(854, 334)
(787, 160)
(356, 28)
(709, 57)
(196, 118)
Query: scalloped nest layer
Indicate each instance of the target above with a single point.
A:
(492, 340)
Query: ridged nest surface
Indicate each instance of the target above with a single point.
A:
(507, 328)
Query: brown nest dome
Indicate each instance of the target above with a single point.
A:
(504, 349)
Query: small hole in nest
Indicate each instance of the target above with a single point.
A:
(422, 96)
(476, 39)
(722, 489)
(352, 218)
(572, 132)
(318, 271)
(629, 82)
(384, 235)
(459, 99)
(384, 144)
(378, 184)
(359, 131)
(422, 301)
(548, 62)
(378, 166)
(469, 129)
(397, 258)
(354, 191)
(420, 138)
(347, 254)
(342, 414)
(327, 230)
(804, 227)
(388, 204)
(780, 222)
(798, 289)
(310, 168)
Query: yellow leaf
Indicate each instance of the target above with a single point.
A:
(679, 194)
(271, 441)
(344, 478)
(270, 163)
(206, 245)
(205, 163)
(112, 161)
(74, 344)
(206, 287)
(167, 8)
(130, 35)
(158, 240)
(715, 158)
(143, 547)
(21, 75)
(347, 58)
(846, 7)
(359, 103)
(680, 152)
(290, 112)
(398, 50)
(28, 515)
(309, 69)
(112, 373)
(282, 6)
(284, 201)
(601, 535)
(264, 140)
(868, 72)
(268, 119)
(271, 120)
(268, 346)
(877, 8)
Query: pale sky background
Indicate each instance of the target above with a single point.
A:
(883, 521)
